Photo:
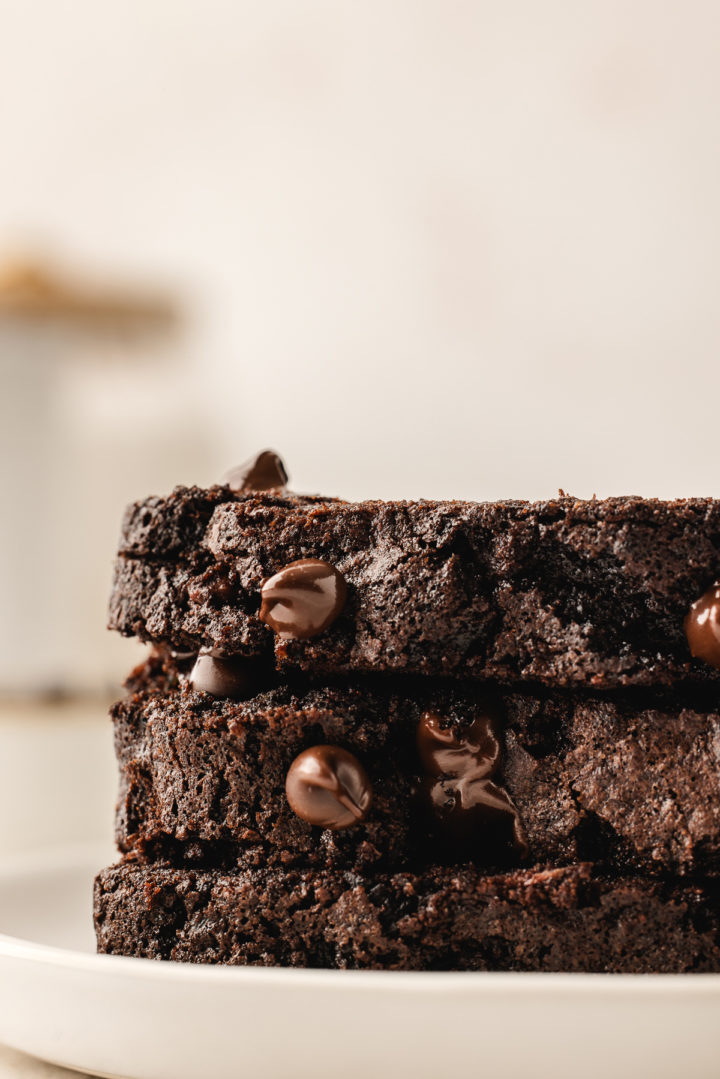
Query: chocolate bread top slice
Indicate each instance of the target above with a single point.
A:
(568, 919)
(564, 592)
(455, 772)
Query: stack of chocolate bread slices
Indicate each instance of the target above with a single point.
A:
(431, 735)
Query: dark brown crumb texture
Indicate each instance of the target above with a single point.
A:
(565, 592)
(543, 643)
(631, 784)
(565, 919)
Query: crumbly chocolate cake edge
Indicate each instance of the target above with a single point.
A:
(565, 919)
(628, 781)
(590, 593)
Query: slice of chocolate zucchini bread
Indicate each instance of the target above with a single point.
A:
(568, 919)
(565, 592)
(436, 772)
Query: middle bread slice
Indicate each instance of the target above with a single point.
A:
(626, 781)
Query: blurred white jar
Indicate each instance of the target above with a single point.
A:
(96, 409)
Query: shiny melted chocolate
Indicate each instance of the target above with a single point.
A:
(702, 627)
(328, 787)
(473, 816)
(265, 472)
(303, 598)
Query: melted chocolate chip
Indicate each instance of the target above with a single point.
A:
(476, 816)
(266, 472)
(303, 599)
(328, 787)
(443, 752)
(234, 677)
(702, 627)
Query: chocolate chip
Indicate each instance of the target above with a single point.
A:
(234, 677)
(702, 627)
(476, 816)
(303, 599)
(328, 787)
(444, 752)
(265, 472)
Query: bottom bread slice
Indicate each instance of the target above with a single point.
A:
(443, 919)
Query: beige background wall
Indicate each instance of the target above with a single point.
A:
(438, 247)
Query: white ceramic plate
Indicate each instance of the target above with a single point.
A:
(147, 1020)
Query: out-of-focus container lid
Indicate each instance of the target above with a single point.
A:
(34, 291)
